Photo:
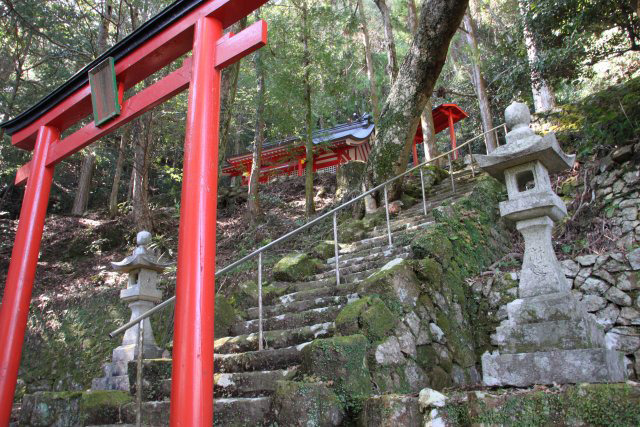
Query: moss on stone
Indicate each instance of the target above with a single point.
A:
(429, 271)
(396, 284)
(586, 404)
(439, 379)
(433, 243)
(225, 316)
(340, 361)
(351, 230)
(323, 250)
(368, 316)
(306, 404)
(295, 267)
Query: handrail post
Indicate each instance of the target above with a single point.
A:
(424, 197)
(453, 185)
(386, 208)
(139, 374)
(260, 332)
(336, 247)
(473, 172)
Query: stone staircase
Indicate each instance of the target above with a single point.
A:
(244, 377)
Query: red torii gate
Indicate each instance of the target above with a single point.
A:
(184, 26)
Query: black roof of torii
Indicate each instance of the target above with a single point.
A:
(146, 31)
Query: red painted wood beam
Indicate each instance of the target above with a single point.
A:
(22, 269)
(192, 373)
(133, 107)
(175, 41)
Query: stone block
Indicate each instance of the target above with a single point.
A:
(556, 306)
(563, 367)
(549, 336)
(304, 404)
(391, 411)
(618, 297)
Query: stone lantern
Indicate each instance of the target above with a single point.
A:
(141, 295)
(548, 337)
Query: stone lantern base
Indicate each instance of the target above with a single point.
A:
(550, 339)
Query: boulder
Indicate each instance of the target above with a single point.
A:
(295, 268)
(368, 316)
(396, 284)
(391, 410)
(324, 250)
(306, 404)
(342, 362)
(72, 408)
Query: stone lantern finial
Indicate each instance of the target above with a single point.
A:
(549, 337)
(141, 295)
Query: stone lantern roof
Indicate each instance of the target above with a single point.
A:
(141, 257)
(524, 146)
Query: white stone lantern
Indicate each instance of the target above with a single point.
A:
(548, 337)
(141, 295)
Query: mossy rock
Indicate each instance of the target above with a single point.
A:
(342, 362)
(225, 316)
(391, 410)
(433, 243)
(73, 408)
(396, 284)
(155, 372)
(295, 267)
(351, 230)
(429, 271)
(439, 379)
(306, 404)
(390, 378)
(408, 201)
(368, 316)
(374, 219)
(581, 405)
(324, 250)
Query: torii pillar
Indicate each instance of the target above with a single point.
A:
(192, 374)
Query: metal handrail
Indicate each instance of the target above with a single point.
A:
(333, 211)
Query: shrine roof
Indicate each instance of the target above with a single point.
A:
(357, 131)
(169, 15)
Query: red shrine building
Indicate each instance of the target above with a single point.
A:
(348, 142)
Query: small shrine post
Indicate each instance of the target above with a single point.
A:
(182, 27)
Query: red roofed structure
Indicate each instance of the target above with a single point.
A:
(349, 142)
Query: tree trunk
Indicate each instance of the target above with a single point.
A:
(369, 60)
(81, 201)
(308, 183)
(113, 198)
(390, 44)
(228, 89)
(479, 84)
(254, 179)
(543, 97)
(438, 22)
(426, 118)
(140, 173)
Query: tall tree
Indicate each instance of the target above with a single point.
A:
(389, 40)
(479, 83)
(543, 97)
(81, 200)
(228, 89)
(303, 8)
(426, 118)
(371, 75)
(438, 22)
(253, 202)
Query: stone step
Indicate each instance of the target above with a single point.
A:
(289, 320)
(270, 359)
(294, 287)
(274, 339)
(234, 412)
(297, 306)
(401, 229)
(366, 255)
(319, 292)
(240, 384)
(364, 264)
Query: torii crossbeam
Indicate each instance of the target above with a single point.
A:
(184, 26)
